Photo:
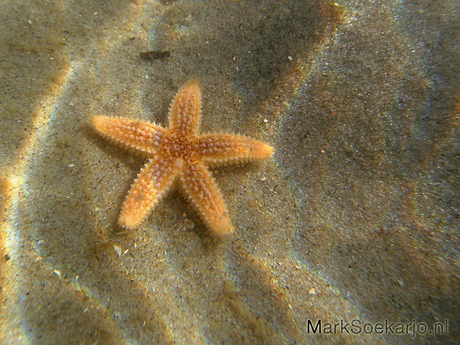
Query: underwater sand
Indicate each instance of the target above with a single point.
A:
(356, 216)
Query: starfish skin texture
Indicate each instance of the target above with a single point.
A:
(178, 152)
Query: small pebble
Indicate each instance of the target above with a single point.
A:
(188, 224)
(117, 249)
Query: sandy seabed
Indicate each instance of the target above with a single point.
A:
(355, 220)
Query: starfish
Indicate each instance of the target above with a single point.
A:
(178, 152)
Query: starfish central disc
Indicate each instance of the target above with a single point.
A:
(178, 145)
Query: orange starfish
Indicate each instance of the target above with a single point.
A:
(179, 152)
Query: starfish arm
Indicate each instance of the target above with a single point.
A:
(222, 148)
(202, 190)
(143, 136)
(153, 181)
(185, 112)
